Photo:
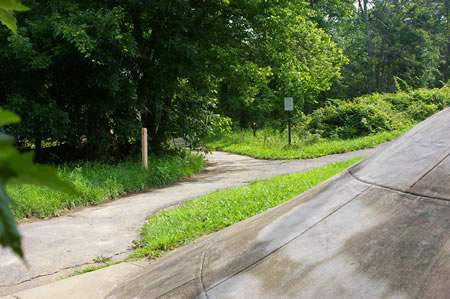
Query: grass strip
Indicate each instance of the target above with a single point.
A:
(98, 182)
(178, 226)
(90, 269)
(273, 146)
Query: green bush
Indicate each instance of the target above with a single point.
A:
(346, 120)
(376, 113)
(419, 110)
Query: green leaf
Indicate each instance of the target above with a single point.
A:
(8, 117)
(8, 19)
(13, 5)
(9, 235)
(6, 13)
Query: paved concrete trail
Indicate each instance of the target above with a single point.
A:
(57, 247)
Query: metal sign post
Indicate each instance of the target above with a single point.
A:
(289, 106)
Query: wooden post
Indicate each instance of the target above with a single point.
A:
(144, 148)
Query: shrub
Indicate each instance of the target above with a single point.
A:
(345, 120)
(419, 111)
(376, 113)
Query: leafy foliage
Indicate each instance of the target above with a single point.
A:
(98, 71)
(376, 113)
(344, 120)
(340, 126)
(408, 40)
(7, 7)
(287, 56)
(65, 76)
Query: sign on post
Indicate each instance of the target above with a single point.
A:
(288, 104)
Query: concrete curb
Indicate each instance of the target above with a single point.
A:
(96, 284)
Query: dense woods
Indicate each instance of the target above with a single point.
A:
(90, 74)
(99, 71)
(392, 43)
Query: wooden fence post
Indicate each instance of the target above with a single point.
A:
(144, 148)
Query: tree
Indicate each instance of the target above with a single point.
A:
(76, 84)
(387, 39)
(93, 68)
(270, 50)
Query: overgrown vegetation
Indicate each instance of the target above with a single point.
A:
(98, 182)
(375, 113)
(178, 226)
(389, 43)
(339, 126)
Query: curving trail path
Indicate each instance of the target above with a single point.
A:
(57, 247)
(380, 229)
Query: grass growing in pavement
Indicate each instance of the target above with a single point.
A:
(272, 145)
(90, 269)
(98, 182)
(105, 263)
(178, 226)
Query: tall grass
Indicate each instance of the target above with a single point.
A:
(98, 182)
(269, 144)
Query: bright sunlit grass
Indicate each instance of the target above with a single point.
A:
(272, 145)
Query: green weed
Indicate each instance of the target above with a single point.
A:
(91, 269)
(102, 259)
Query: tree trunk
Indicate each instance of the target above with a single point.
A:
(445, 72)
(369, 45)
(446, 63)
(158, 126)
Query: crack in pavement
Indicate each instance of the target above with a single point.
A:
(56, 272)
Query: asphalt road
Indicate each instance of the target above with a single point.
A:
(57, 247)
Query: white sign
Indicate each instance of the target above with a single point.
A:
(288, 104)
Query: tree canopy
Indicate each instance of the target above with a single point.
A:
(393, 41)
(97, 71)
(90, 74)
